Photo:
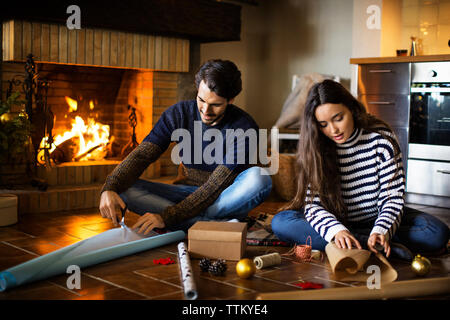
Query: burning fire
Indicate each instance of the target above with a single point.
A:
(92, 137)
(73, 104)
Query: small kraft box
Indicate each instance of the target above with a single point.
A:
(8, 209)
(217, 240)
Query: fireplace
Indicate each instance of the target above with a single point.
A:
(105, 98)
(86, 109)
(108, 96)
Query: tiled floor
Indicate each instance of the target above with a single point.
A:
(137, 277)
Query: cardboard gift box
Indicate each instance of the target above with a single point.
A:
(8, 209)
(217, 240)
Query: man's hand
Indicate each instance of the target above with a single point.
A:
(148, 222)
(381, 239)
(345, 240)
(110, 202)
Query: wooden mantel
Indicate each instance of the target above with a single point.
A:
(55, 43)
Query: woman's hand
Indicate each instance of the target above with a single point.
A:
(345, 240)
(381, 239)
(148, 222)
(109, 203)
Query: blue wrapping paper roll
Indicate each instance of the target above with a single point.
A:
(108, 245)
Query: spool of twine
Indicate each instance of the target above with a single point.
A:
(267, 260)
(316, 255)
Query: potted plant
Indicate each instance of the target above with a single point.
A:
(15, 133)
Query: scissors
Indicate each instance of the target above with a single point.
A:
(123, 210)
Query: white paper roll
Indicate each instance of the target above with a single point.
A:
(187, 276)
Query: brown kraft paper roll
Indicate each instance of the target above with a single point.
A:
(394, 290)
(351, 264)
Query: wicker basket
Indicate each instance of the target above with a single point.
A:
(285, 180)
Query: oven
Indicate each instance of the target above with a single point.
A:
(429, 129)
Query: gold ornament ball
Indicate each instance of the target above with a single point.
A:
(245, 268)
(420, 265)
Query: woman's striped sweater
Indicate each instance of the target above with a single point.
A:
(371, 189)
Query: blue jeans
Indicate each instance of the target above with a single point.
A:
(418, 231)
(249, 189)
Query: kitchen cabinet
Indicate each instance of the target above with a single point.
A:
(384, 90)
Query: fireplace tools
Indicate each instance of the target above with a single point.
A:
(132, 120)
(40, 116)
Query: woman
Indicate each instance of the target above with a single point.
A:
(351, 183)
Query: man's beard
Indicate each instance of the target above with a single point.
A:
(216, 119)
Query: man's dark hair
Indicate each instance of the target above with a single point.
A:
(221, 77)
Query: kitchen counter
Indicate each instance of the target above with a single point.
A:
(427, 58)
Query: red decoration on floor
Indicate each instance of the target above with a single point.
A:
(309, 285)
(163, 261)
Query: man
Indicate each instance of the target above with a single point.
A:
(221, 190)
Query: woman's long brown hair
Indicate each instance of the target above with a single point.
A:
(317, 164)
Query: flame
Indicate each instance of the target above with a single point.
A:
(91, 105)
(90, 135)
(73, 105)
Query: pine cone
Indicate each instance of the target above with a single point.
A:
(204, 264)
(218, 267)
(222, 263)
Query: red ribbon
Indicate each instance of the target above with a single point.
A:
(309, 285)
(163, 261)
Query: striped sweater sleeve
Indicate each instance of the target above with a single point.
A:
(392, 189)
(130, 169)
(324, 222)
